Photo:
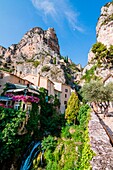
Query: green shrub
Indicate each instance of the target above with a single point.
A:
(90, 74)
(45, 68)
(29, 60)
(65, 132)
(36, 63)
(107, 20)
(72, 108)
(9, 123)
(49, 143)
(72, 151)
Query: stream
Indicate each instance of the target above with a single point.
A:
(32, 152)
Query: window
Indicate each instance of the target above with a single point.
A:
(66, 90)
(65, 95)
(17, 106)
(65, 102)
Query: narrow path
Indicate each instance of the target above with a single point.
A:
(107, 125)
(108, 120)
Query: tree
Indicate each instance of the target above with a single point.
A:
(50, 120)
(72, 108)
(98, 94)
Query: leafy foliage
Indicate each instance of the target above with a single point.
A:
(12, 143)
(64, 58)
(38, 125)
(90, 74)
(9, 123)
(36, 63)
(50, 120)
(85, 152)
(45, 68)
(99, 48)
(97, 92)
(72, 150)
(72, 108)
(102, 54)
(49, 143)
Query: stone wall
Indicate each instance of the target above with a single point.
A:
(100, 144)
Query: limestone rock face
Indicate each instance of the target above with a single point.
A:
(2, 51)
(104, 27)
(37, 40)
(104, 32)
(38, 52)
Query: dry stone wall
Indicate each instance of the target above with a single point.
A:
(100, 144)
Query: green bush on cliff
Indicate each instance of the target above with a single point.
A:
(45, 68)
(90, 74)
(36, 63)
(102, 54)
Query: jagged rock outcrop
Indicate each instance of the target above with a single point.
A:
(101, 54)
(37, 40)
(39, 52)
(104, 29)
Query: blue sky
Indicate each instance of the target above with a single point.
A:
(73, 20)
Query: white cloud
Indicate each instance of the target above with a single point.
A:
(46, 6)
(60, 11)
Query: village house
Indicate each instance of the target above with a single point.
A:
(62, 91)
(56, 89)
(41, 81)
(18, 95)
(6, 77)
(64, 94)
(47, 84)
(32, 78)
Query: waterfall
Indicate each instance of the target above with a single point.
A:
(27, 162)
(41, 161)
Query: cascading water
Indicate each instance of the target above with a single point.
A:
(27, 162)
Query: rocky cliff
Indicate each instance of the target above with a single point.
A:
(104, 29)
(100, 57)
(39, 52)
